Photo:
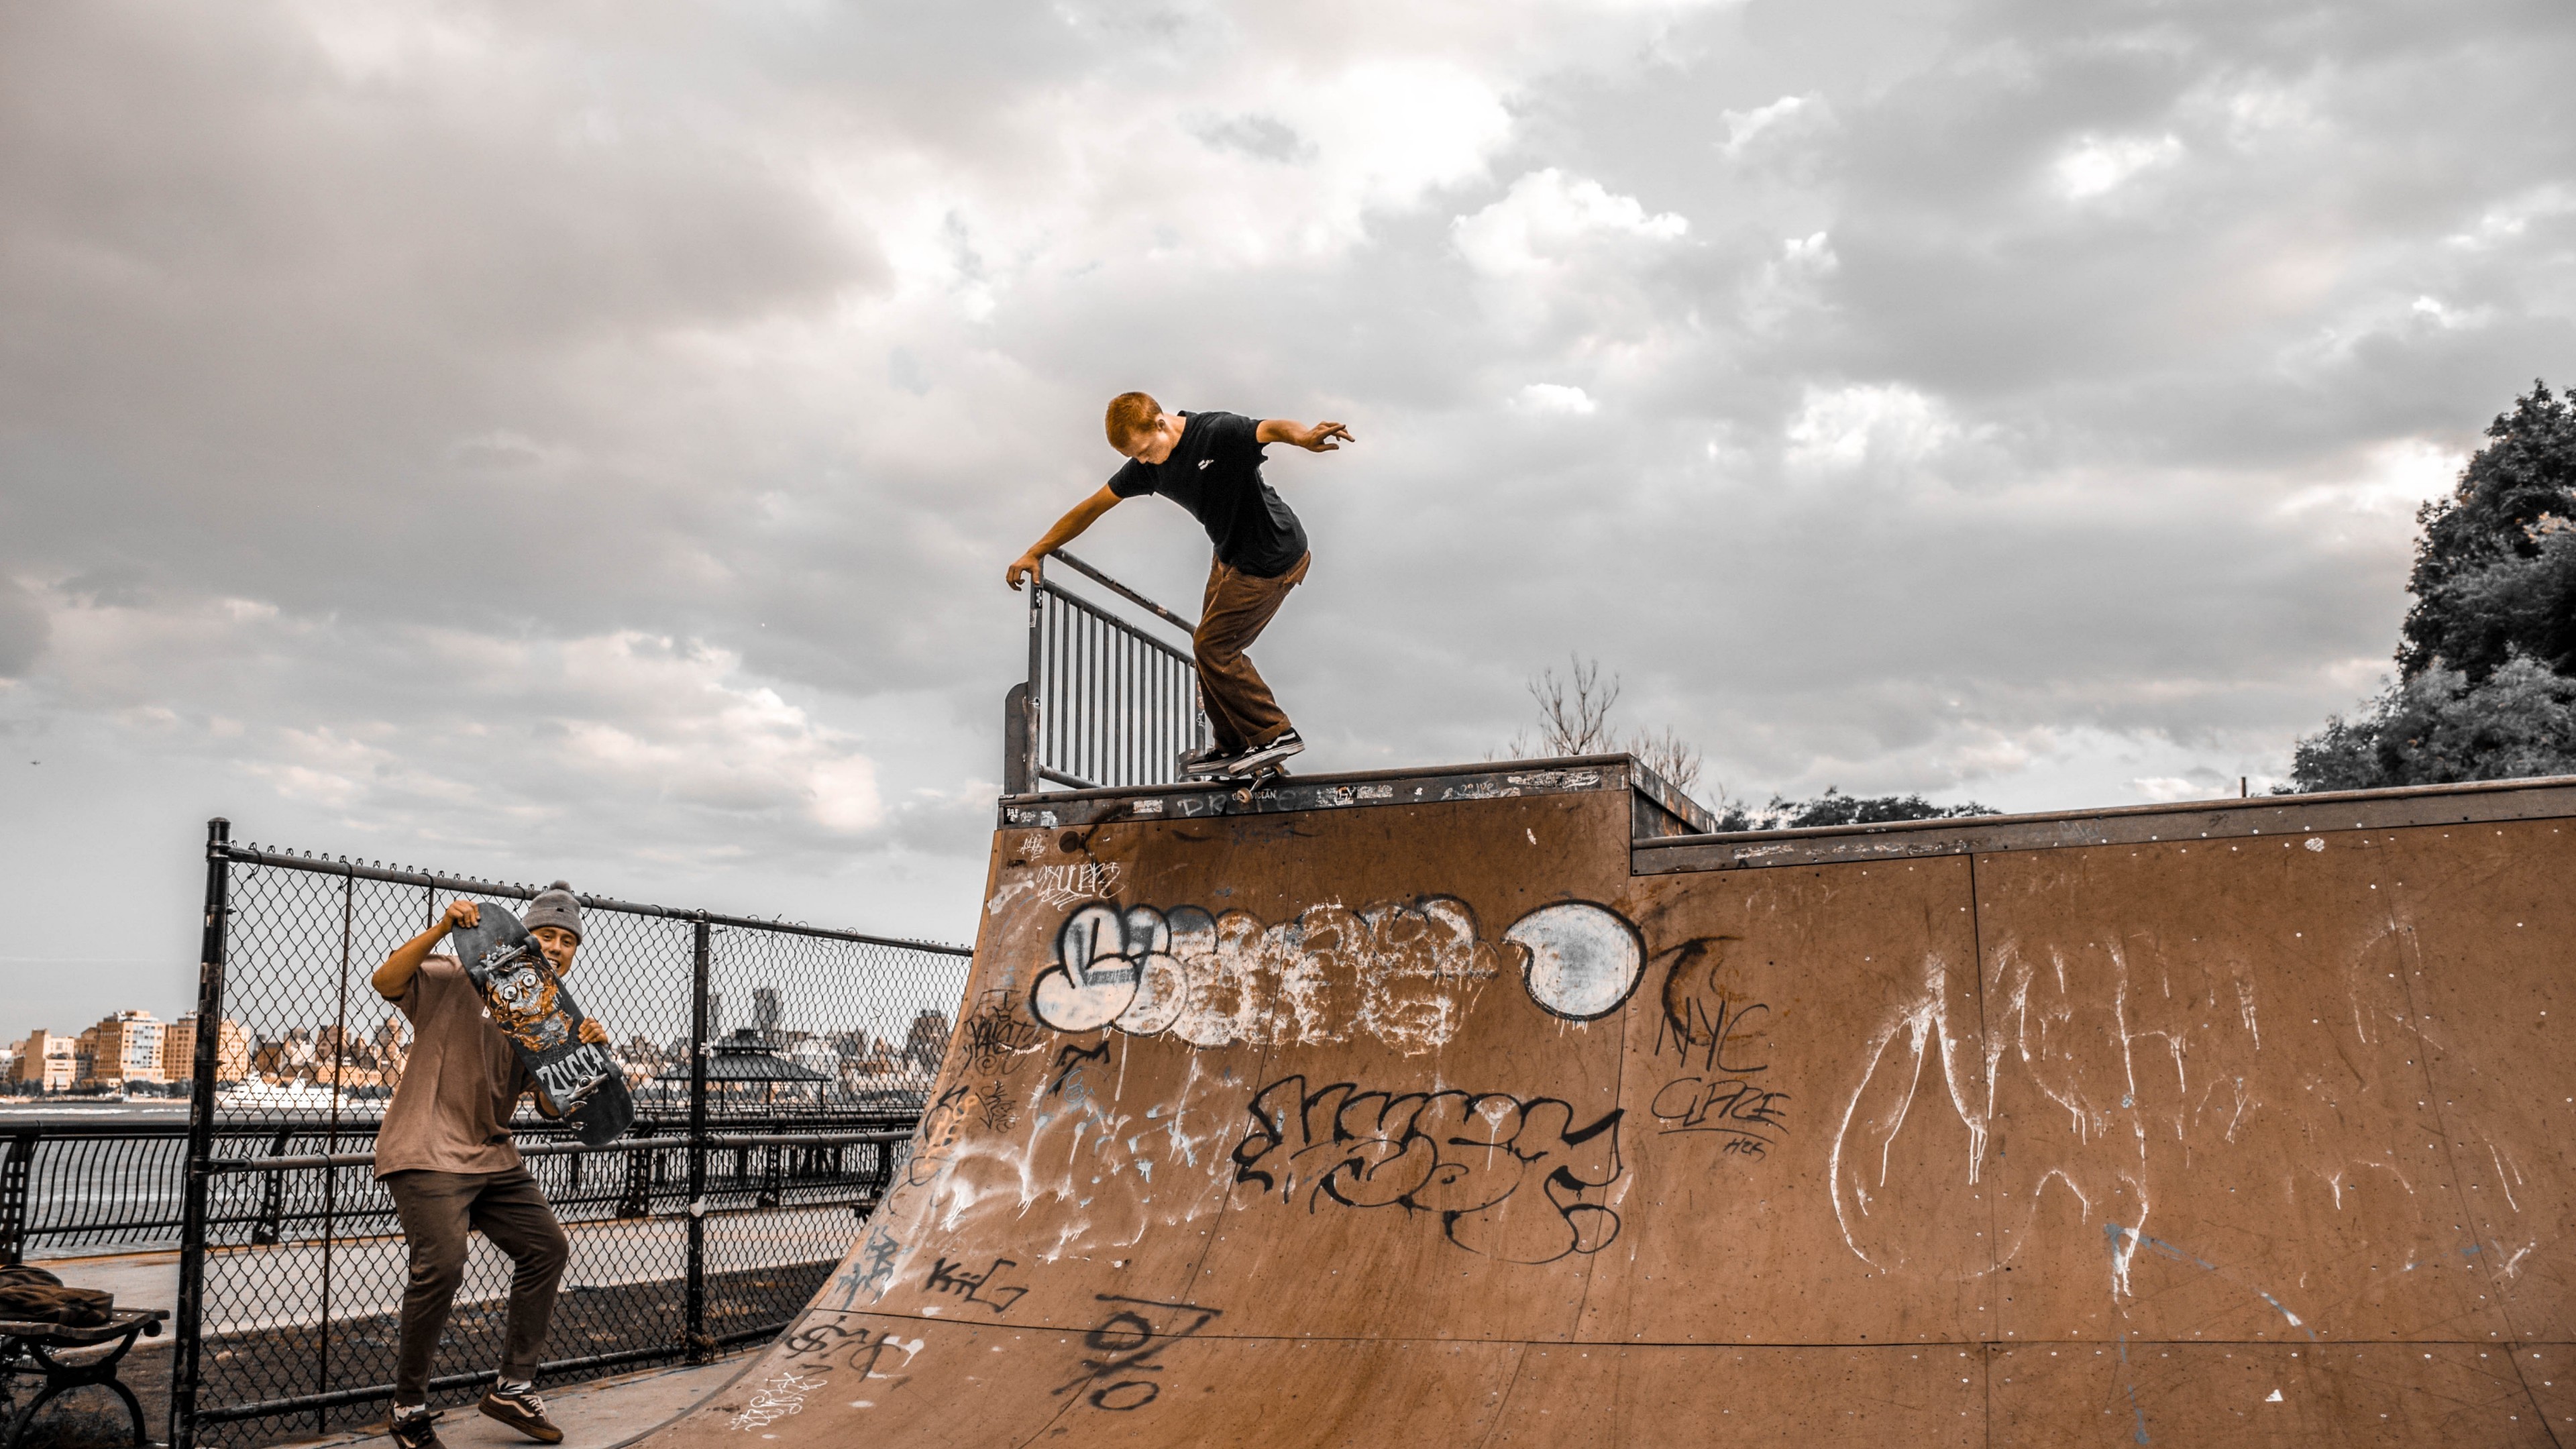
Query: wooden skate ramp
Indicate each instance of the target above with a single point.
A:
(1470, 1108)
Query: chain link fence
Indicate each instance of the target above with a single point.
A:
(777, 1071)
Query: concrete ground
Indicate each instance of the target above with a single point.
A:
(594, 1415)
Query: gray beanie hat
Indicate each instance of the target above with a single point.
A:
(554, 906)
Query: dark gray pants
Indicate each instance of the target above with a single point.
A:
(437, 1209)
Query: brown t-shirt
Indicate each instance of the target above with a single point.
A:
(451, 1111)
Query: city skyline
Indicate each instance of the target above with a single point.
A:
(130, 1048)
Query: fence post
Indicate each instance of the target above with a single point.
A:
(201, 1137)
(701, 1346)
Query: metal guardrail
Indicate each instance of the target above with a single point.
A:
(1106, 703)
(66, 1185)
(712, 1223)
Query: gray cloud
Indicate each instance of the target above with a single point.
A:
(23, 629)
(571, 440)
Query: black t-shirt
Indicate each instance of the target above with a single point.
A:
(1215, 473)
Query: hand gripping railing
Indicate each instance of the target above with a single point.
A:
(1105, 704)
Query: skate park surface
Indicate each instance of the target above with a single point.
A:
(1480, 1107)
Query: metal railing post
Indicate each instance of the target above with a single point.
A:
(13, 1195)
(701, 1346)
(208, 1045)
(1105, 703)
(1031, 702)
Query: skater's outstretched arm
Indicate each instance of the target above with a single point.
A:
(393, 978)
(1066, 530)
(1317, 439)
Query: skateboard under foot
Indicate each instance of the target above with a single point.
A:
(1250, 783)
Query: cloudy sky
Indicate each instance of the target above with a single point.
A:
(586, 439)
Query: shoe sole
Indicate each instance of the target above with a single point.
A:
(542, 1433)
(1265, 758)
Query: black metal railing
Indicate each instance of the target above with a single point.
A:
(1106, 702)
(67, 1185)
(778, 1071)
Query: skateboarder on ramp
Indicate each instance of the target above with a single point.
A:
(1210, 464)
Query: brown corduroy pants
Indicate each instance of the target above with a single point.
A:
(437, 1209)
(1240, 707)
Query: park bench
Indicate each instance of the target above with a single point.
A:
(30, 1347)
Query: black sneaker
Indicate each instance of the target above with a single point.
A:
(411, 1430)
(1265, 755)
(519, 1407)
(1204, 761)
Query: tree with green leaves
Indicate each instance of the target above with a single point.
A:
(2486, 660)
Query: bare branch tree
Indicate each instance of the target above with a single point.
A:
(1668, 755)
(1574, 714)
(1574, 719)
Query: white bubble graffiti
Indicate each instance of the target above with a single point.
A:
(1400, 971)
(1583, 959)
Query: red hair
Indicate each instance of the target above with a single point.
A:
(1131, 415)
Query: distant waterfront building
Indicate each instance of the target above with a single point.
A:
(815, 1055)
(179, 1051)
(122, 1049)
(286, 1060)
(47, 1062)
(927, 1042)
(393, 1048)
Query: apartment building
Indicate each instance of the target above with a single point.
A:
(179, 1051)
(46, 1061)
(122, 1050)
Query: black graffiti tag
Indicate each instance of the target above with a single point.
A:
(875, 1271)
(948, 1277)
(1128, 1343)
(1467, 1156)
(999, 1110)
(1070, 1059)
(1751, 1118)
(1712, 1024)
(941, 1126)
(994, 1035)
(1706, 1012)
(856, 1349)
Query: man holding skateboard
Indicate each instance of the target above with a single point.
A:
(444, 1153)
(1210, 464)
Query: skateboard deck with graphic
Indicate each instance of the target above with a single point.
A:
(577, 1081)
